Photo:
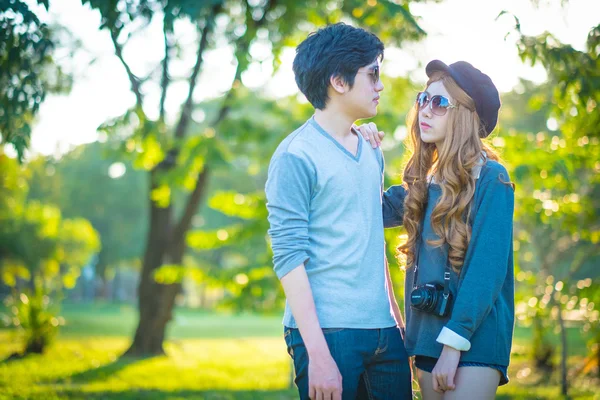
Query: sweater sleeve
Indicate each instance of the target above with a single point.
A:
(288, 190)
(393, 206)
(487, 258)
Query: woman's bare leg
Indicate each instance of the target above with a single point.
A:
(426, 385)
(478, 383)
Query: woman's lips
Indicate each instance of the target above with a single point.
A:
(425, 125)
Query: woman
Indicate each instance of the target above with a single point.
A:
(456, 204)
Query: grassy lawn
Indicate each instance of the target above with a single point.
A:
(200, 369)
(210, 356)
(121, 320)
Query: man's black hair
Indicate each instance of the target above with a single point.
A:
(335, 50)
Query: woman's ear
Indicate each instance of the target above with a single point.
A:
(338, 84)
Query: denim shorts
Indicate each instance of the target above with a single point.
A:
(428, 363)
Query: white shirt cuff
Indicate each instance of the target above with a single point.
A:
(453, 339)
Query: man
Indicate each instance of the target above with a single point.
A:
(342, 327)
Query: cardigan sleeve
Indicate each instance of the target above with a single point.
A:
(393, 206)
(487, 259)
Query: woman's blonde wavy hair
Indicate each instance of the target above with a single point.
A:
(451, 168)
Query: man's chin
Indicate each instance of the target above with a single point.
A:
(369, 113)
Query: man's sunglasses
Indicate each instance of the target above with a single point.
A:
(373, 73)
(438, 104)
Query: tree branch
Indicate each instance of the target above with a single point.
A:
(186, 111)
(164, 82)
(192, 205)
(134, 80)
(196, 196)
(243, 43)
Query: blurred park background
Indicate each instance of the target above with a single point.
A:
(135, 136)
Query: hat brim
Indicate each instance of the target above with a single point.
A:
(435, 66)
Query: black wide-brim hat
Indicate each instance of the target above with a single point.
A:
(477, 85)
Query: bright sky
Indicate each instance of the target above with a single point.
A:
(101, 90)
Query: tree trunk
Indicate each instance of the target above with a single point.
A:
(563, 357)
(165, 245)
(116, 286)
(101, 291)
(100, 280)
(598, 359)
(154, 299)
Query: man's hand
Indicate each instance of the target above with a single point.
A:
(324, 378)
(445, 370)
(371, 134)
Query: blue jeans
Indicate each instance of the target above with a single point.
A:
(373, 362)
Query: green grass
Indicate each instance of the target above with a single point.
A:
(121, 320)
(209, 356)
(576, 341)
(202, 369)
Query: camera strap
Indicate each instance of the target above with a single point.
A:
(447, 269)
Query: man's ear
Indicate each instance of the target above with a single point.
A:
(338, 84)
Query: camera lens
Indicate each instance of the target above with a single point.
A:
(421, 298)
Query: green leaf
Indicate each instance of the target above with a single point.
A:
(246, 206)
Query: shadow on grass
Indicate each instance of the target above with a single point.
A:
(17, 357)
(102, 372)
(182, 394)
(290, 394)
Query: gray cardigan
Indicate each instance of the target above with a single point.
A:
(483, 311)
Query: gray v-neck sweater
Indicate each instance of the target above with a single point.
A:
(324, 207)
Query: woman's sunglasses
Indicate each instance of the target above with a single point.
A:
(438, 104)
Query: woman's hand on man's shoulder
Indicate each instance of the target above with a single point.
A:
(371, 134)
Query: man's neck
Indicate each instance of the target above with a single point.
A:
(334, 122)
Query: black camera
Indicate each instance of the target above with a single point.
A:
(430, 298)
